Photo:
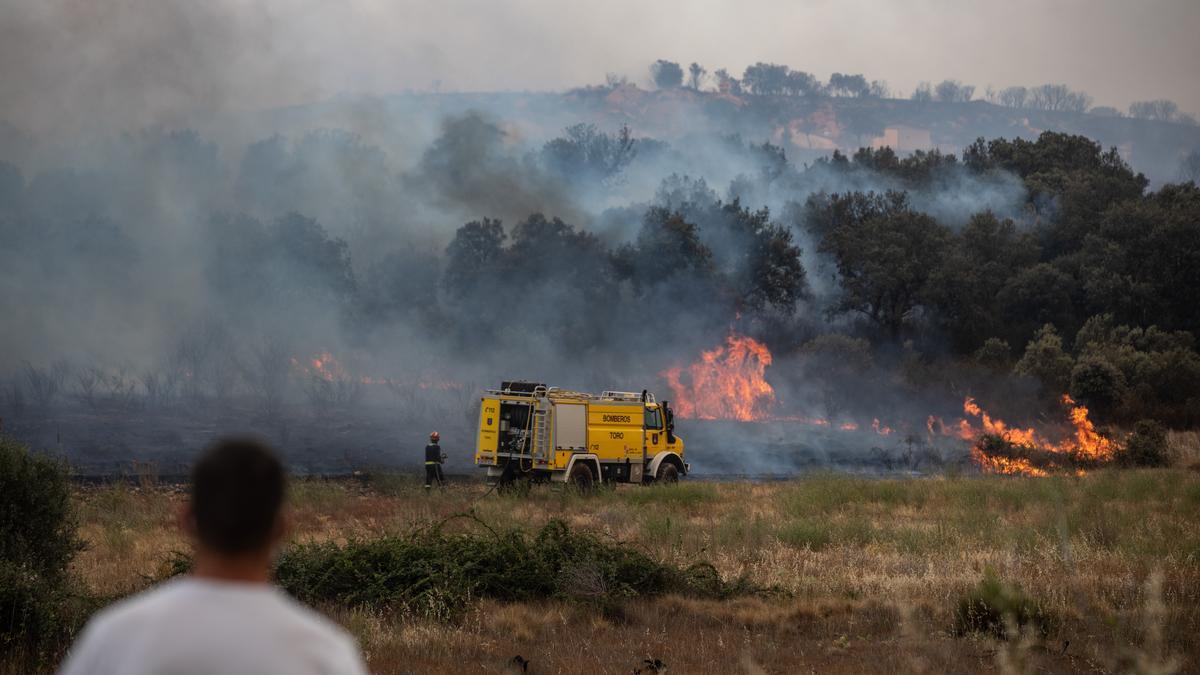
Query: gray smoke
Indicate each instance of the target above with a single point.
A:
(183, 234)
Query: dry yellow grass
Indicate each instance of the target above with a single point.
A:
(1183, 447)
(872, 571)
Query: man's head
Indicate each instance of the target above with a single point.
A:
(238, 487)
(434, 437)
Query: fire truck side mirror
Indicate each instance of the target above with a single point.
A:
(669, 421)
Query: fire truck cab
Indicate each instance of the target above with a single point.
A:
(529, 430)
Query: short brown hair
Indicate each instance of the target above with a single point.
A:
(238, 486)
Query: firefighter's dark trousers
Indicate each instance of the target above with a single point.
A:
(433, 472)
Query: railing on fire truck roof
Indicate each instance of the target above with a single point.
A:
(627, 396)
(540, 392)
(566, 393)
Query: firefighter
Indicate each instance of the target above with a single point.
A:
(433, 462)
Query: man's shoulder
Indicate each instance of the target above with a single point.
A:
(148, 602)
(150, 605)
(312, 621)
(170, 598)
(330, 639)
(146, 607)
(204, 612)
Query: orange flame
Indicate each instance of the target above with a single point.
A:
(1088, 442)
(935, 422)
(326, 367)
(322, 366)
(997, 427)
(1085, 445)
(1015, 466)
(726, 383)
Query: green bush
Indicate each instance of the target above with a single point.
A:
(40, 609)
(993, 605)
(436, 574)
(1147, 445)
(39, 618)
(37, 521)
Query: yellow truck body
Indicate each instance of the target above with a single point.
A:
(533, 431)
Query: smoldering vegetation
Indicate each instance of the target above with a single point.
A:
(343, 298)
(782, 448)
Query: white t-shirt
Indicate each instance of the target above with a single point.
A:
(194, 626)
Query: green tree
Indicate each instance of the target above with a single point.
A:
(587, 154)
(1045, 360)
(1142, 261)
(1161, 369)
(824, 212)
(473, 256)
(1013, 97)
(766, 79)
(666, 74)
(726, 83)
(923, 93)
(550, 248)
(672, 271)
(1058, 97)
(1070, 181)
(849, 85)
(1098, 383)
(293, 261)
(758, 259)
(667, 246)
(1189, 167)
(995, 354)
(953, 91)
(980, 260)
(1033, 296)
(885, 263)
(1160, 110)
(404, 282)
(312, 260)
(773, 274)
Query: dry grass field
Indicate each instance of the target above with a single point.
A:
(867, 573)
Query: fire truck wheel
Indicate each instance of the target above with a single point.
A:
(668, 473)
(581, 476)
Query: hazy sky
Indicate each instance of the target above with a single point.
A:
(67, 64)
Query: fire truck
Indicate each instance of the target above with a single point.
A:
(530, 431)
